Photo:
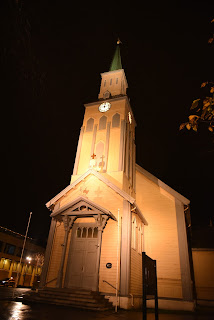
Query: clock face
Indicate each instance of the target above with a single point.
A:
(105, 106)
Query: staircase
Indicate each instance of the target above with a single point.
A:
(82, 299)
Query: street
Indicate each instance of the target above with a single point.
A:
(13, 310)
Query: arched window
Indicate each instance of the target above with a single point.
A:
(102, 123)
(139, 239)
(90, 124)
(134, 226)
(106, 94)
(116, 120)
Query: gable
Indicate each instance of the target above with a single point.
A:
(82, 207)
(81, 178)
(164, 188)
(99, 189)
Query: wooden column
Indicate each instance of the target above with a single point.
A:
(48, 253)
(101, 221)
(122, 145)
(68, 221)
(187, 289)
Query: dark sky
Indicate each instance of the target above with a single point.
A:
(52, 54)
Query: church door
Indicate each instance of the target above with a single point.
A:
(83, 254)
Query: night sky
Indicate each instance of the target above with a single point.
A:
(52, 54)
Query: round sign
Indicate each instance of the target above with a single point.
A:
(108, 265)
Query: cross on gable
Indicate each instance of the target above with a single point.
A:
(93, 156)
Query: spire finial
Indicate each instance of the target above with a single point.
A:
(116, 61)
(118, 41)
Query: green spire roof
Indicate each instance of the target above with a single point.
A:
(116, 61)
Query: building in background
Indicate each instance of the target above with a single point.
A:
(202, 238)
(11, 244)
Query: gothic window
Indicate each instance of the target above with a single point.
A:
(110, 82)
(85, 232)
(90, 231)
(116, 120)
(134, 226)
(139, 240)
(106, 94)
(104, 83)
(102, 123)
(117, 81)
(90, 124)
(95, 233)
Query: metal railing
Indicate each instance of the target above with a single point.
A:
(111, 285)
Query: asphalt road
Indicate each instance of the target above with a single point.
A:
(12, 310)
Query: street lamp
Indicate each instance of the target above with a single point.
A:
(29, 259)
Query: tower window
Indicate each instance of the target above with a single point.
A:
(102, 123)
(106, 94)
(116, 120)
(90, 124)
(117, 81)
(104, 83)
(110, 82)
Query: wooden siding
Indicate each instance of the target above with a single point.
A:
(160, 236)
(55, 255)
(109, 254)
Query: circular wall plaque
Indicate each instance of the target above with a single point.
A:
(108, 265)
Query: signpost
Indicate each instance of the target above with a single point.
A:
(149, 284)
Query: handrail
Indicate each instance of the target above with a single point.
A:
(111, 285)
(50, 281)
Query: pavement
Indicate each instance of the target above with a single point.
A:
(13, 310)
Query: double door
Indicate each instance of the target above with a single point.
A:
(82, 267)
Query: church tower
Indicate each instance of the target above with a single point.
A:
(107, 136)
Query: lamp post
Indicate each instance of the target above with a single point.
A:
(17, 277)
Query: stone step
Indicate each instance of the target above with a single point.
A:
(78, 304)
(71, 294)
(74, 298)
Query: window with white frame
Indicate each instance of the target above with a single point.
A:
(139, 239)
(134, 226)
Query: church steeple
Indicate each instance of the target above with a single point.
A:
(107, 138)
(114, 81)
(116, 61)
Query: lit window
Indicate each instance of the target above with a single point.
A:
(9, 248)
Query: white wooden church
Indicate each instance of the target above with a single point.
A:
(113, 209)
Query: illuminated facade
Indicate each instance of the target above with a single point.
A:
(113, 210)
(11, 244)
